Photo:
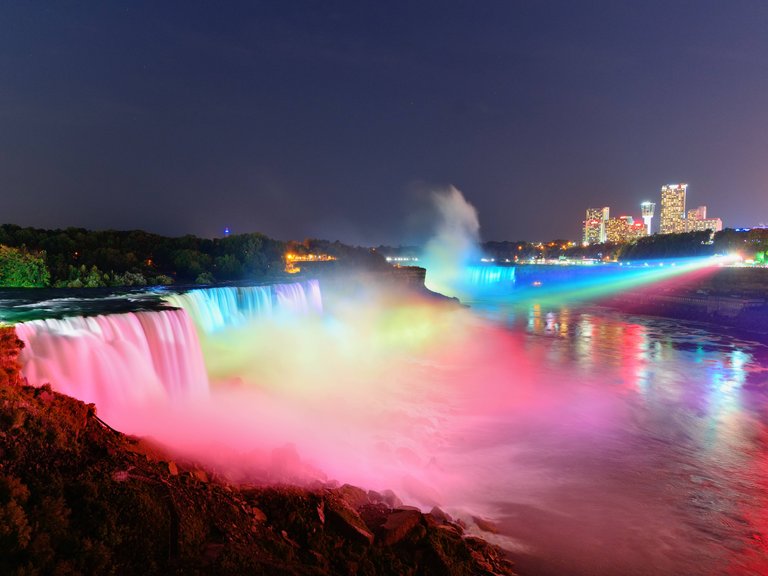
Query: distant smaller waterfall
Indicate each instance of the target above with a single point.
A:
(489, 278)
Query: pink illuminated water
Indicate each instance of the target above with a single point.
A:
(599, 443)
(120, 361)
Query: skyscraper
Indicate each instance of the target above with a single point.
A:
(594, 225)
(672, 218)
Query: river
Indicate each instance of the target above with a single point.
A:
(583, 440)
(650, 455)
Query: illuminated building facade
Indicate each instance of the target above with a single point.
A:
(672, 217)
(698, 221)
(635, 231)
(624, 229)
(699, 213)
(714, 224)
(595, 225)
(291, 259)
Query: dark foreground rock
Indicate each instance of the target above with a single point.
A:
(77, 497)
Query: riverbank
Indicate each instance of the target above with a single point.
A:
(77, 496)
(732, 297)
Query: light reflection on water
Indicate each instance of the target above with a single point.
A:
(671, 477)
(602, 443)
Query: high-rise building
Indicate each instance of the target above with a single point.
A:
(714, 224)
(647, 209)
(698, 222)
(672, 218)
(635, 231)
(595, 225)
(624, 229)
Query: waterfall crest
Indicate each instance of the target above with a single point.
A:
(213, 309)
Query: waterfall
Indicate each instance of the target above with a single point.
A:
(292, 297)
(213, 309)
(116, 359)
(144, 357)
(489, 277)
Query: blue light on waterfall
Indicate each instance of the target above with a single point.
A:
(214, 309)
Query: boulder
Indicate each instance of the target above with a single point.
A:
(346, 520)
(398, 525)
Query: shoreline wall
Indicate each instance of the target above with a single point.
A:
(732, 297)
(743, 313)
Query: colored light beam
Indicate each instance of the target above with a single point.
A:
(600, 282)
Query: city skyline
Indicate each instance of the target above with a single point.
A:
(336, 120)
(673, 218)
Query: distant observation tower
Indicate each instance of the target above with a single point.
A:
(647, 209)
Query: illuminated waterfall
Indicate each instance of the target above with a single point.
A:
(493, 277)
(116, 359)
(141, 357)
(213, 309)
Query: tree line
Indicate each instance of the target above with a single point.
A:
(80, 258)
(76, 258)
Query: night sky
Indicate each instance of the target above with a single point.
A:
(334, 119)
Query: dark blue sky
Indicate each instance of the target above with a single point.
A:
(331, 119)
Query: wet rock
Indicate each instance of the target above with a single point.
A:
(451, 530)
(374, 516)
(487, 557)
(439, 515)
(346, 520)
(398, 525)
(354, 496)
(258, 514)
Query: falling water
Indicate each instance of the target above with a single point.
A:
(214, 309)
(116, 360)
(483, 278)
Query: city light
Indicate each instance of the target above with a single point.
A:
(598, 227)
(402, 259)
